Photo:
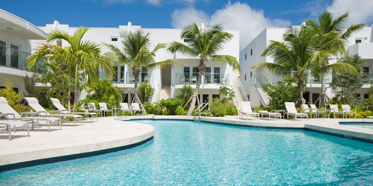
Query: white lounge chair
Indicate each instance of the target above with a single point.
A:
(11, 114)
(124, 107)
(34, 104)
(347, 110)
(136, 107)
(334, 109)
(104, 108)
(63, 110)
(246, 109)
(315, 110)
(291, 110)
(92, 108)
(8, 125)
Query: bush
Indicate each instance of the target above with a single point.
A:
(12, 97)
(232, 110)
(171, 104)
(218, 108)
(180, 111)
(185, 93)
(144, 92)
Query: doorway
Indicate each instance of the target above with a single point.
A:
(315, 96)
(166, 75)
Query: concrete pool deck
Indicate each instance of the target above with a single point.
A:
(114, 132)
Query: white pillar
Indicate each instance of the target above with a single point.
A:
(129, 27)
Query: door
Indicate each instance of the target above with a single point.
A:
(166, 75)
(315, 96)
(14, 55)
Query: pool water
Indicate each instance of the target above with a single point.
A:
(193, 153)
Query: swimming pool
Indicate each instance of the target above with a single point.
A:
(192, 153)
(368, 125)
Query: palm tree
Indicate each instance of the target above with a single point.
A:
(298, 54)
(203, 43)
(329, 29)
(136, 54)
(80, 55)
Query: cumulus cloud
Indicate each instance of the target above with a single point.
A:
(151, 2)
(237, 16)
(360, 10)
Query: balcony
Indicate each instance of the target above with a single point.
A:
(363, 49)
(13, 58)
(143, 77)
(186, 78)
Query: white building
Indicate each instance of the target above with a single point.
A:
(253, 78)
(15, 46)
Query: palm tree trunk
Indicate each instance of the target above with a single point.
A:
(192, 105)
(301, 86)
(322, 98)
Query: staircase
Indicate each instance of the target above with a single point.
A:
(239, 92)
(264, 99)
(165, 92)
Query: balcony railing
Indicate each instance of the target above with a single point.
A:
(186, 78)
(10, 57)
(143, 77)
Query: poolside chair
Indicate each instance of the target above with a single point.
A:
(315, 110)
(124, 107)
(63, 110)
(34, 104)
(104, 109)
(334, 109)
(8, 125)
(305, 108)
(7, 110)
(246, 109)
(291, 110)
(136, 107)
(347, 110)
(92, 108)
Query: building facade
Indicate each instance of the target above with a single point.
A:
(252, 79)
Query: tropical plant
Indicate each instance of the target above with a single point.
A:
(136, 54)
(329, 30)
(185, 93)
(203, 43)
(171, 104)
(79, 55)
(11, 96)
(298, 55)
(218, 108)
(347, 84)
(283, 92)
(226, 92)
(29, 83)
(103, 90)
(145, 90)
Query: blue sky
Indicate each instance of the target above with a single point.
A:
(250, 16)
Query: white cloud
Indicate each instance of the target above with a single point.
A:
(236, 16)
(360, 10)
(152, 2)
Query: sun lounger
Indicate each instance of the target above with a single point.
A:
(104, 108)
(34, 104)
(291, 110)
(63, 110)
(11, 114)
(92, 108)
(8, 125)
(334, 109)
(347, 110)
(124, 107)
(136, 107)
(246, 109)
(315, 110)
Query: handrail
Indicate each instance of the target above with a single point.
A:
(199, 109)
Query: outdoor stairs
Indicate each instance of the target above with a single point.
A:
(238, 97)
(165, 92)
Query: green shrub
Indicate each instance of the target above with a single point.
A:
(185, 93)
(218, 108)
(12, 97)
(171, 104)
(180, 111)
(232, 110)
(144, 91)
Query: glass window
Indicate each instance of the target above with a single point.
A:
(114, 39)
(245, 77)
(217, 74)
(195, 75)
(187, 74)
(2, 53)
(358, 41)
(245, 56)
(251, 52)
(121, 74)
(14, 55)
(208, 75)
(144, 74)
(205, 98)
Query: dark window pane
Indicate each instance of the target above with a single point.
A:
(114, 39)
(217, 74)
(14, 55)
(208, 75)
(187, 74)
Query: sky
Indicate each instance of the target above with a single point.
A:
(250, 17)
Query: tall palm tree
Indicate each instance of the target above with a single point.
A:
(329, 29)
(298, 54)
(136, 54)
(79, 55)
(203, 43)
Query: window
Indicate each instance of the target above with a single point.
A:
(205, 98)
(185, 40)
(245, 56)
(121, 74)
(217, 74)
(187, 74)
(2, 53)
(144, 74)
(358, 41)
(114, 39)
(14, 55)
(366, 70)
(14, 88)
(245, 77)
(215, 96)
(251, 74)
(366, 96)
(208, 75)
(251, 52)
(195, 75)
(357, 95)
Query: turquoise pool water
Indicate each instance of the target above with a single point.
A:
(192, 153)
